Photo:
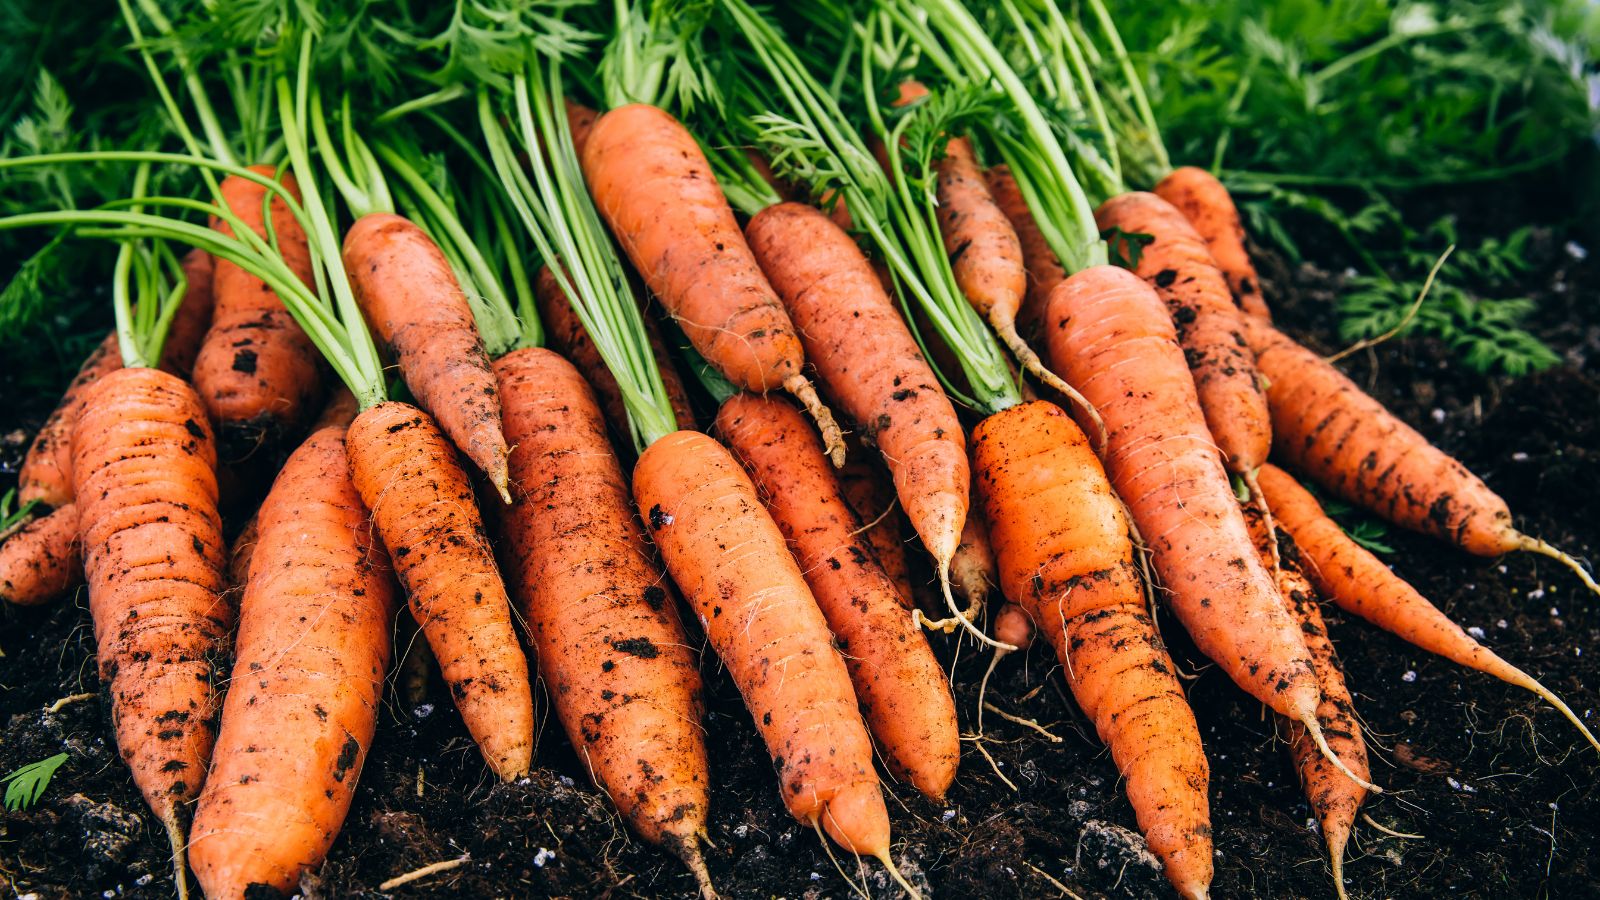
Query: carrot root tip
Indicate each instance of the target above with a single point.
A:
(1336, 859)
(957, 617)
(832, 437)
(688, 850)
(176, 837)
(1534, 545)
(894, 872)
(1314, 728)
(1036, 367)
(1529, 683)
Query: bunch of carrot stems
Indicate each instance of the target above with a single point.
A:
(525, 211)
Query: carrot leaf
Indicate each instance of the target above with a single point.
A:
(27, 784)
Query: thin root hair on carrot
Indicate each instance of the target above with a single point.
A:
(1535, 545)
(1367, 817)
(894, 872)
(180, 869)
(816, 824)
(1314, 728)
(1036, 367)
(958, 617)
(1528, 682)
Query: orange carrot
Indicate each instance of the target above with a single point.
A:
(1013, 626)
(1187, 279)
(1329, 428)
(242, 552)
(901, 688)
(1043, 269)
(257, 371)
(1210, 208)
(1334, 798)
(42, 560)
(144, 469)
(308, 674)
(424, 509)
(1112, 337)
(415, 306)
(870, 493)
(732, 564)
(567, 335)
(655, 188)
(193, 318)
(1361, 584)
(1066, 559)
(973, 570)
(604, 627)
(871, 366)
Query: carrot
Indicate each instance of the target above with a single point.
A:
(243, 551)
(871, 366)
(973, 570)
(731, 562)
(193, 318)
(1334, 798)
(901, 689)
(655, 188)
(415, 305)
(257, 371)
(144, 469)
(308, 674)
(870, 494)
(1329, 428)
(1186, 278)
(1013, 626)
(42, 560)
(424, 509)
(1112, 337)
(567, 335)
(603, 624)
(1044, 270)
(1210, 208)
(1361, 584)
(1066, 559)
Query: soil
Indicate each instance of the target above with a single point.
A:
(1500, 789)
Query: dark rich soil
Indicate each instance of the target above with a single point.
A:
(1501, 788)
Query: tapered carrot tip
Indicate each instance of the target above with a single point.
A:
(500, 477)
(894, 872)
(1534, 545)
(832, 437)
(857, 819)
(1515, 676)
(1314, 728)
(1336, 859)
(176, 837)
(957, 618)
(688, 850)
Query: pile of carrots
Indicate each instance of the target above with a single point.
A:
(554, 513)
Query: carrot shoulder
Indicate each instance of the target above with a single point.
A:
(415, 306)
(602, 621)
(1206, 203)
(425, 510)
(1066, 559)
(144, 464)
(898, 681)
(311, 654)
(736, 571)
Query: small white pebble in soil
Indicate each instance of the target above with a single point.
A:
(1577, 250)
(543, 856)
(1519, 456)
(422, 711)
(1577, 651)
(1554, 612)
(144, 879)
(1311, 824)
(108, 894)
(1536, 594)
(1476, 632)
(567, 781)
(1554, 806)
(741, 831)
(1438, 415)
(1464, 788)
(1502, 569)
(948, 815)
(1409, 676)
(816, 876)
(1502, 624)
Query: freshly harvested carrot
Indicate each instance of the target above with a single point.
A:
(1361, 584)
(1066, 559)
(567, 335)
(1206, 203)
(1334, 798)
(1184, 275)
(243, 551)
(973, 570)
(870, 493)
(581, 120)
(308, 674)
(424, 508)
(42, 560)
(415, 306)
(655, 188)
(257, 371)
(871, 366)
(1329, 428)
(144, 470)
(1112, 337)
(986, 259)
(733, 565)
(193, 318)
(899, 683)
(1013, 626)
(604, 626)
(1043, 269)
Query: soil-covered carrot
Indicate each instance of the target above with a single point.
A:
(257, 371)
(415, 306)
(1334, 798)
(1043, 268)
(1177, 263)
(193, 318)
(871, 365)
(733, 565)
(1206, 203)
(599, 613)
(566, 334)
(144, 466)
(42, 560)
(899, 683)
(1328, 428)
(241, 552)
(1066, 559)
(1112, 337)
(424, 508)
(655, 188)
(310, 658)
(1350, 576)
(973, 570)
(870, 492)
